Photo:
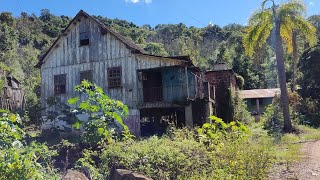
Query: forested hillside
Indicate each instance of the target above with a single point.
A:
(25, 38)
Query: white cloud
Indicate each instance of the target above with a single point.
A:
(139, 1)
(132, 1)
(311, 3)
(147, 1)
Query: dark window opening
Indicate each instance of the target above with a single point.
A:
(9, 82)
(60, 84)
(260, 102)
(253, 102)
(84, 38)
(86, 75)
(114, 77)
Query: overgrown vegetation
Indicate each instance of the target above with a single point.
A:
(98, 117)
(217, 150)
(214, 151)
(20, 159)
(240, 149)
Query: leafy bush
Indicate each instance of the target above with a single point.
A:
(186, 154)
(19, 160)
(273, 119)
(215, 133)
(104, 114)
(241, 112)
(160, 158)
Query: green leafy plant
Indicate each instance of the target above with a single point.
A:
(213, 134)
(19, 160)
(182, 156)
(104, 114)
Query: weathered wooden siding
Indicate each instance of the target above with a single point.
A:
(104, 51)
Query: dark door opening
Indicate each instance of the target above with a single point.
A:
(152, 86)
(156, 121)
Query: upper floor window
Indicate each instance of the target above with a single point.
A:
(84, 38)
(59, 84)
(86, 75)
(114, 77)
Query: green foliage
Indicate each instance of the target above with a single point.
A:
(241, 112)
(10, 131)
(24, 162)
(160, 158)
(19, 160)
(310, 81)
(155, 49)
(182, 156)
(87, 161)
(273, 119)
(104, 114)
(96, 128)
(217, 131)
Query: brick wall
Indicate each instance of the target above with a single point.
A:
(223, 81)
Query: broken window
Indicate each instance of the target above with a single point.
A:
(114, 77)
(60, 84)
(84, 38)
(86, 75)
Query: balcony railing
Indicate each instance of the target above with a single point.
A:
(174, 93)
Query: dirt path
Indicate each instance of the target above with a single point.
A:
(308, 168)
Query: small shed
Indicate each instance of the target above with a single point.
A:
(11, 93)
(258, 99)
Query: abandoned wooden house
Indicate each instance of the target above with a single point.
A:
(155, 88)
(11, 93)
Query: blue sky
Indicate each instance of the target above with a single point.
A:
(191, 12)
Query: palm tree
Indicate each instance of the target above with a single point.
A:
(278, 23)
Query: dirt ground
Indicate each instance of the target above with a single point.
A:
(308, 168)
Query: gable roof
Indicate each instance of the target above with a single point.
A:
(259, 93)
(135, 48)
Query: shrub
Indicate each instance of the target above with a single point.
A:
(185, 155)
(104, 114)
(19, 160)
(215, 133)
(160, 158)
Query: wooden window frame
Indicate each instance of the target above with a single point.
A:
(60, 84)
(114, 77)
(84, 38)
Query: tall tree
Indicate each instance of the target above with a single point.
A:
(277, 23)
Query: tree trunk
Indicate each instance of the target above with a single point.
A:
(295, 60)
(294, 74)
(281, 74)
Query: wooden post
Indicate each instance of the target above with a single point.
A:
(187, 80)
(258, 106)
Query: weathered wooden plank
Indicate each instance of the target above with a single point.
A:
(108, 38)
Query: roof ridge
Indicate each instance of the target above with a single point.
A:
(123, 39)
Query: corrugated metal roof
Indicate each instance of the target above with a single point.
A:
(259, 93)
